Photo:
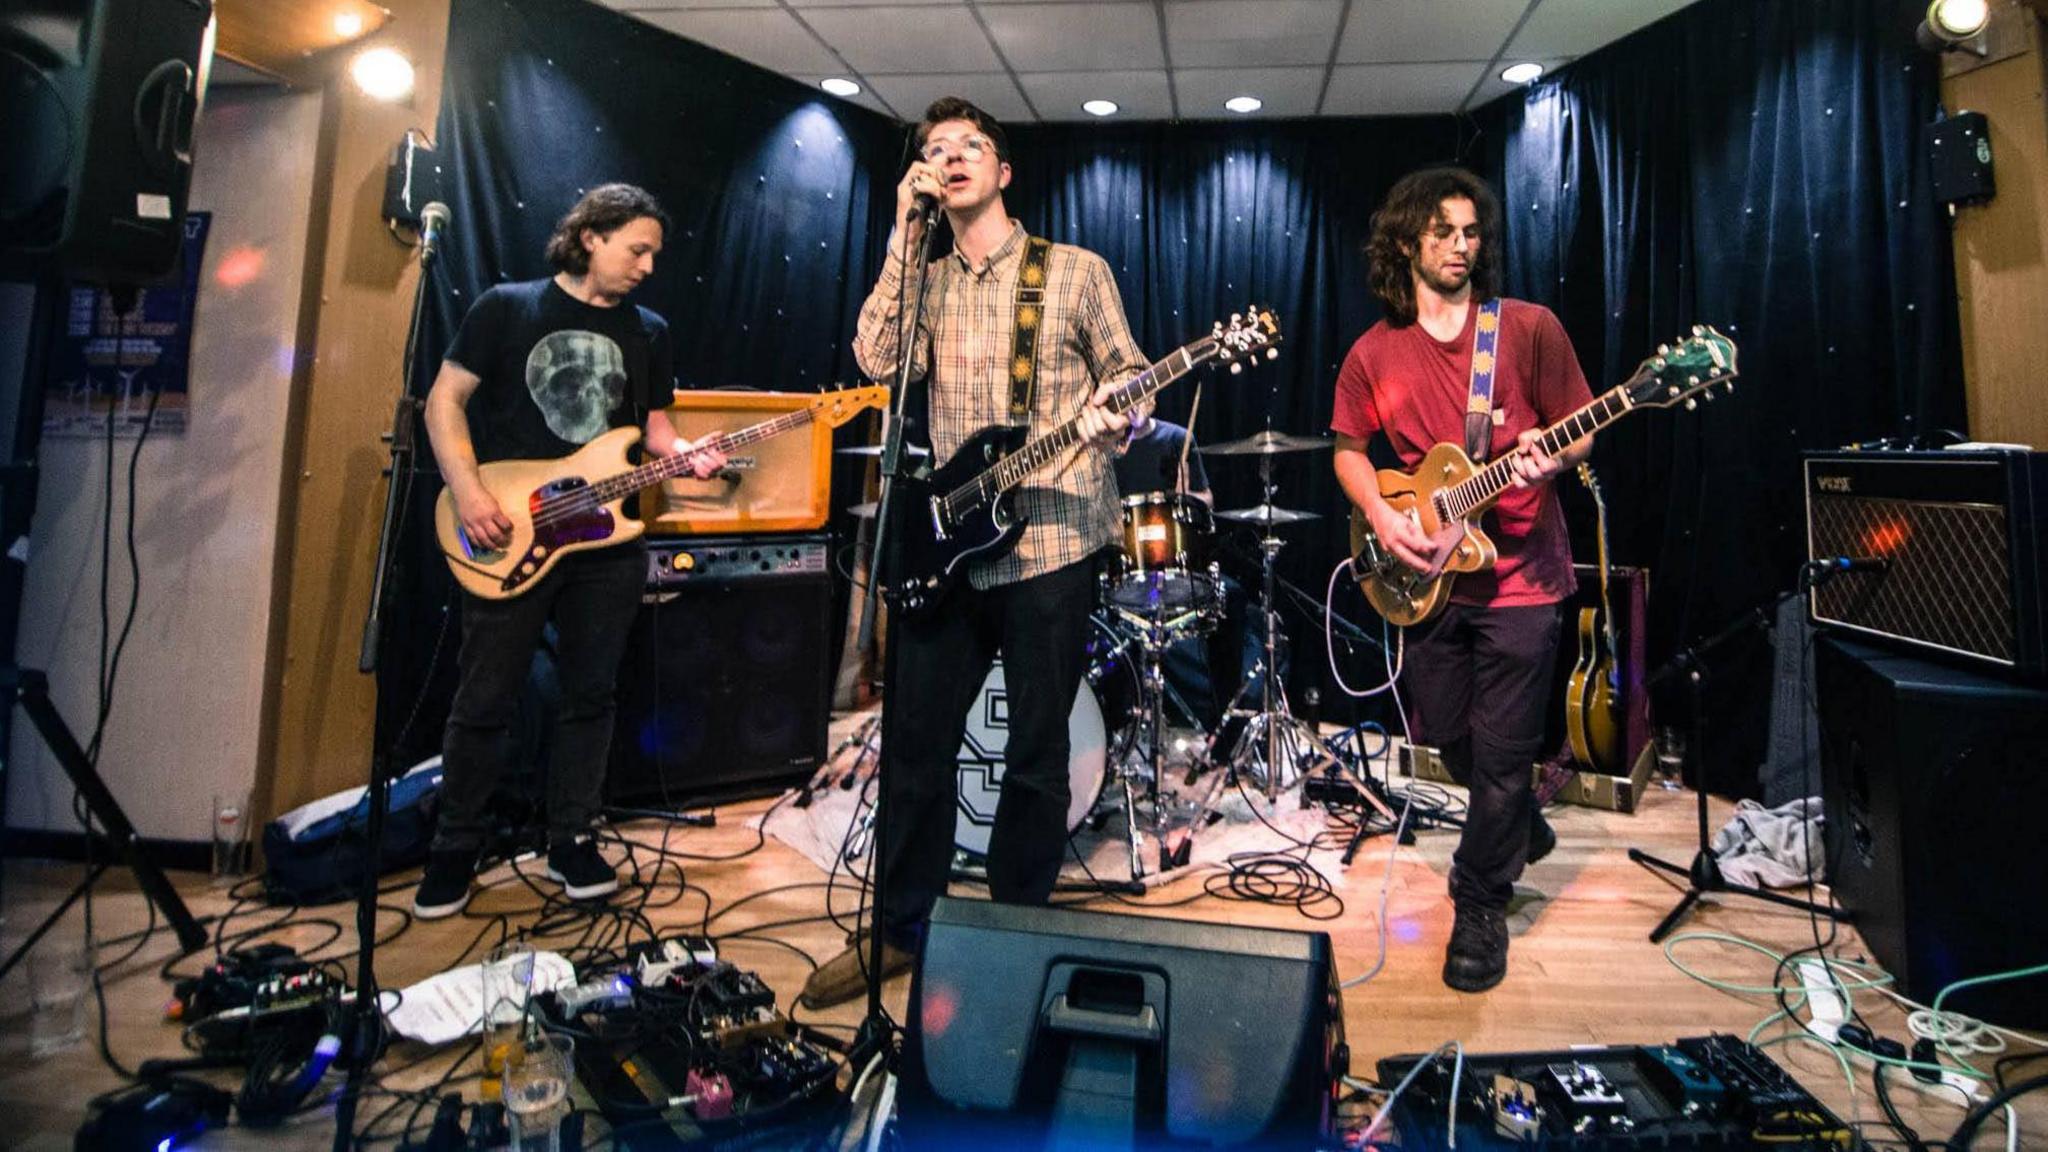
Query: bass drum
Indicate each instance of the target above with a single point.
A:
(981, 760)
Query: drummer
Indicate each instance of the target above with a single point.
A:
(1156, 457)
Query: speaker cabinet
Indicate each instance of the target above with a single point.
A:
(724, 688)
(1055, 1028)
(1935, 789)
(100, 99)
(781, 484)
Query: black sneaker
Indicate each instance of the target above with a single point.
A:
(1477, 958)
(1542, 837)
(581, 869)
(444, 890)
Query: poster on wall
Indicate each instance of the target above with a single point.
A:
(108, 367)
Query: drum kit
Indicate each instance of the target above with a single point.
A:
(1161, 587)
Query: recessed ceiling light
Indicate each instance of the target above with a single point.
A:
(1242, 104)
(839, 86)
(1960, 19)
(348, 25)
(1522, 73)
(1099, 107)
(382, 73)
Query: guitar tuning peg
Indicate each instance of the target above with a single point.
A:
(1690, 405)
(1663, 349)
(1272, 353)
(1237, 317)
(1730, 385)
(1698, 331)
(1236, 369)
(1708, 395)
(1693, 381)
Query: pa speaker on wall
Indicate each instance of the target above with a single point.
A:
(1054, 1028)
(100, 100)
(724, 691)
(1935, 793)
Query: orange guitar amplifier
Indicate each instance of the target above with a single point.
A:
(781, 484)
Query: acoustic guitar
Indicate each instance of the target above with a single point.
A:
(1447, 494)
(573, 504)
(1592, 697)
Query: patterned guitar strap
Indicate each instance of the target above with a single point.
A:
(1030, 311)
(1479, 402)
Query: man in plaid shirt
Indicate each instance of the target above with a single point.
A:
(1030, 604)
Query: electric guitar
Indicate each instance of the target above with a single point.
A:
(1447, 494)
(556, 507)
(1592, 697)
(965, 510)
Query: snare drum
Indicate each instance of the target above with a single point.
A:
(1164, 564)
(981, 760)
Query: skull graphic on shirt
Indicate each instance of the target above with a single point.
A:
(577, 379)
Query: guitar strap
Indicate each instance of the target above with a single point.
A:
(1030, 311)
(1479, 402)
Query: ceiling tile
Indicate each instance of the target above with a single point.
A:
(910, 94)
(1286, 91)
(1494, 87)
(1399, 89)
(864, 97)
(684, 5)
(901, 39)
(769, 37)
(1076, 37)
(1231, 34)
(1572, 28)
(1140, 95)
(1416, 31)
(854, 3)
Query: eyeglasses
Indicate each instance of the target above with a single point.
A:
(968, 148)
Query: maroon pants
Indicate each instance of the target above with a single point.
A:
(1475, 682)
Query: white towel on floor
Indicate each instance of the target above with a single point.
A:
(1772, 847)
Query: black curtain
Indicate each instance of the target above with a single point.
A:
(1757, 166)
(1747, 163)
(780, 198)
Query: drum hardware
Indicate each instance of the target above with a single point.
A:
(1266, 443)
(876, 450)
(1266, 515)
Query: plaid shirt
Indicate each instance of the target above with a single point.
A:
(1083, 342)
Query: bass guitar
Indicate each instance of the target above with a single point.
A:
(1592, 697)
(1447, 494)
(573, 504)
(965, 511)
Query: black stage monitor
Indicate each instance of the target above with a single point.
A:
(1051, 1028)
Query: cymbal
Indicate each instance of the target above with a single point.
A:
(865, 510)
(876, 450)
(1268, 514)
(1267, 443)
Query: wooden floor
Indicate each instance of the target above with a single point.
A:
(1580, 969)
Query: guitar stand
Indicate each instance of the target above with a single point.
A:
(31, 690)
(1703, 877)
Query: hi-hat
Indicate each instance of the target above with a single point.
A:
(1267, 443)
(1268, 514)
(876, 450)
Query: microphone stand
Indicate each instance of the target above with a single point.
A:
(367, 1038)
(1704, 876)
(875, 1035)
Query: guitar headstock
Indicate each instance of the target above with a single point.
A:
(1681, 373)
(1587, 478)
(1250, 335)
(840, 405)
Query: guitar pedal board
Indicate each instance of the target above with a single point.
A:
(1706, 1093)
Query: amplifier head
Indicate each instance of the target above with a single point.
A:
(781, 484)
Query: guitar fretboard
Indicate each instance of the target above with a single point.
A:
(1012, 469)
(1475, 493)
(668, 467)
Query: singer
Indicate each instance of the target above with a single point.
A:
(1032, 603)
(537, 370)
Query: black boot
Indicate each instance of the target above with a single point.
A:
(1478, 954)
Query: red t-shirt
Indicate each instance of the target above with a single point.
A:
(1414, 387)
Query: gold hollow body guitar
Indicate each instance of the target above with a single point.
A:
(573, 504)
(1447, 494)
(1592, 697)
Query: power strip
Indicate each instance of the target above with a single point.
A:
(1829, 1012)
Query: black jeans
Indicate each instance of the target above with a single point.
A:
(1040, 626)
(1475, 682)
(592, 598)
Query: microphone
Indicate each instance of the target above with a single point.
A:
(927, 206)
(1837, 564)
(433, 218)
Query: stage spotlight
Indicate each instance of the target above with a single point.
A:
(1523, 73)
(1099, 107)
(383, 74)
(839, 86)
(1951, 24)
(1243, 105)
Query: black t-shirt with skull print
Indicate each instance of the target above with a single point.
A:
(557, 372)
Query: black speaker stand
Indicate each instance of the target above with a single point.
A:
(31, 689)
(1703, 877)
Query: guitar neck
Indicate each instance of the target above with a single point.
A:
(668, 467)
(1477, 492)
(1012, 469)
